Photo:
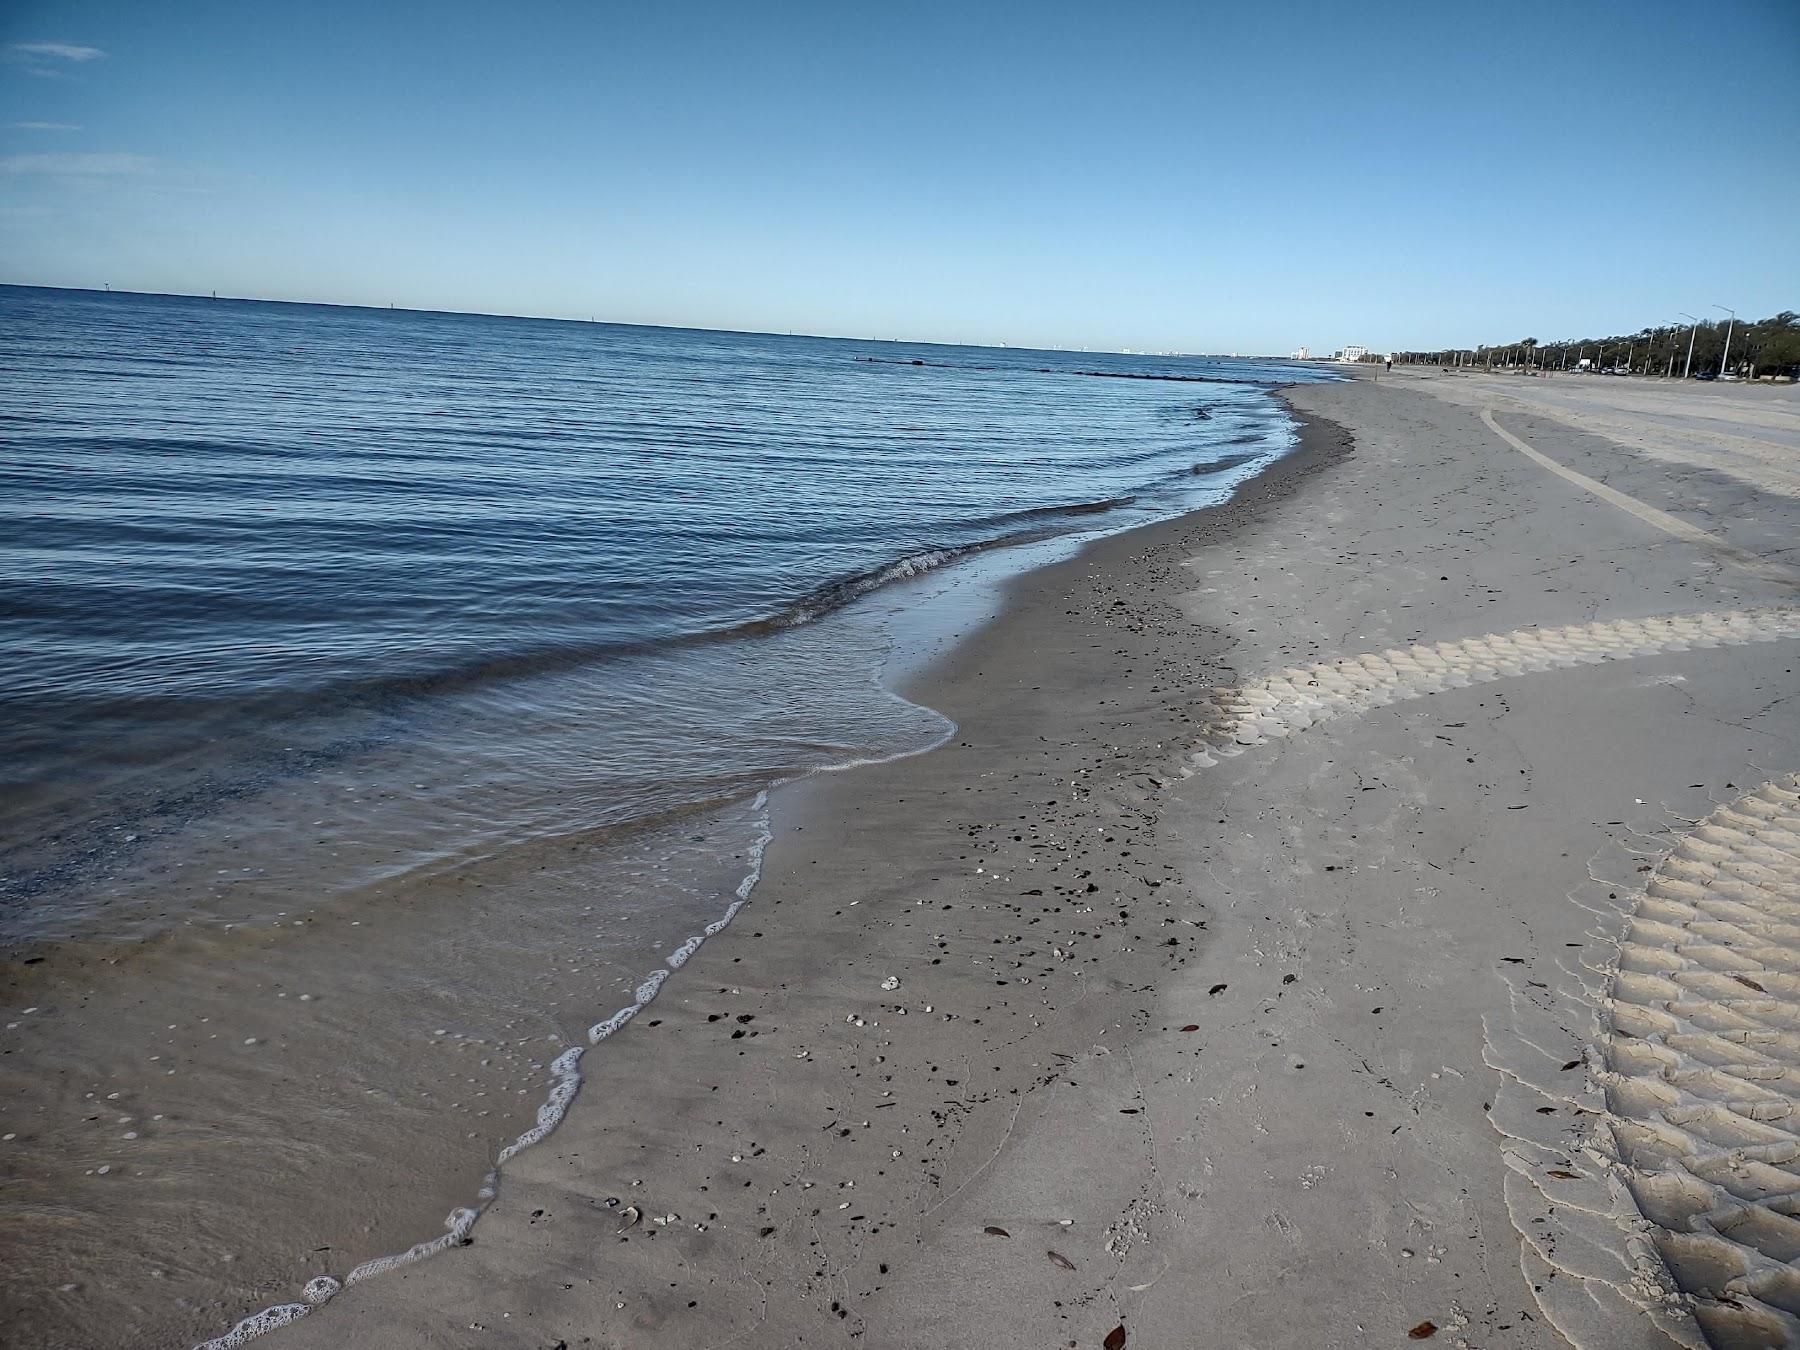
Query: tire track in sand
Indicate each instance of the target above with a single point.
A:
(1702, 1061)
(1240, 716)
(1648, 1116)
(1650, 515)
(1655, 1153)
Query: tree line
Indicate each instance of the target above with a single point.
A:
(1765, 347)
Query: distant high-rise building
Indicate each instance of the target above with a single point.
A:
(1354, 353)
(1304, 354)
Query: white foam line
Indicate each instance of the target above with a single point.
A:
(457, 1228)
(317, 1291)
(565, 1081)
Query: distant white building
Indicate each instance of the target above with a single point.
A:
(1304, 354)
(1354, 353)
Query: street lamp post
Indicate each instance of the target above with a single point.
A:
(1728, 325)
(1688, 365)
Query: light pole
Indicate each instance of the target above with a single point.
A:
(1728, 323)
(1688, 365)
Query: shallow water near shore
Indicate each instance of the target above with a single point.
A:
(389, 696)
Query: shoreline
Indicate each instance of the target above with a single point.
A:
(943, 683)
(259, 965)
(1117, 1011)
(1230, 952)
(1022, 533)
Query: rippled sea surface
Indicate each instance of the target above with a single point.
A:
(385, 695)
(243, 540)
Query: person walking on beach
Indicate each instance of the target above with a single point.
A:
(1390, 365)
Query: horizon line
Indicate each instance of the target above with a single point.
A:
(620, 323)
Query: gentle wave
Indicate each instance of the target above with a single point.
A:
(1027, 526)
(476, 637)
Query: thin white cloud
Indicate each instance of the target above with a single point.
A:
(76, 165)
(53, 51)
(42, 126)
(48, 60)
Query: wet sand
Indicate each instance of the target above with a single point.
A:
(1239, 974)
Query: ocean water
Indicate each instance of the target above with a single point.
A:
(388, 700)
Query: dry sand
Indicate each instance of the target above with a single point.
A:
(1240, 973)
(1751, 432)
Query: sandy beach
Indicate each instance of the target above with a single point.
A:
(1243, 971)
(705, 677)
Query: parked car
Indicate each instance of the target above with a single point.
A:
(1706, 375)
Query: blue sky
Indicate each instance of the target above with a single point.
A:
(1184, 176)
